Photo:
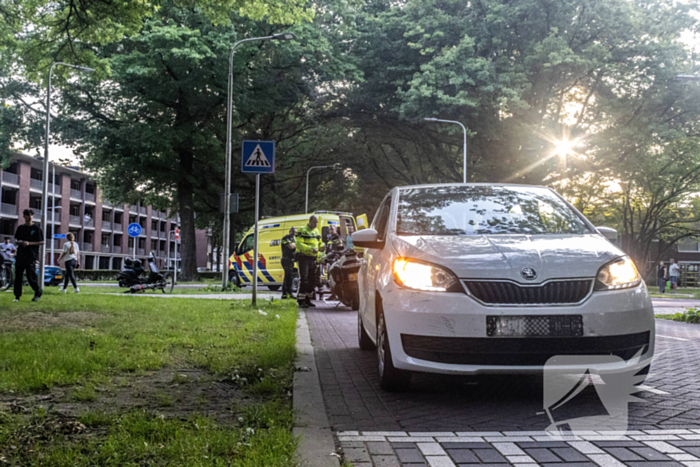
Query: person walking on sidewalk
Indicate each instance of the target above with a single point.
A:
(661, 277)
(70, 253)
(288, 248)
(29, 238)
(307, 245)
(674, 272)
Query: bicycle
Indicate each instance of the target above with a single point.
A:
(6, 275)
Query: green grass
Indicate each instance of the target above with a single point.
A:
(205, 289)
(86, 342)
(694, 293)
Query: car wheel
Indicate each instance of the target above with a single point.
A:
(233, 278)
(362, 336)
(390, 377)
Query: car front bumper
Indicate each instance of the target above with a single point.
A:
(447, 333)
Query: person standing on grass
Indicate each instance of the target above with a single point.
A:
(661, 277)
(29, 238)
(71, 253)
(674, 272)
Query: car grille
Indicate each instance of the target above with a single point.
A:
(533, 351)
(510, 293)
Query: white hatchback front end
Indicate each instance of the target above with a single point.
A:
(469, 279)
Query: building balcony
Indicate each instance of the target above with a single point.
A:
(87, 247)
(106, 203)
(89, 222)
(141, 251)
(90, 197)
(12, 179)
(36, 184)
(76, 194)
(133, 209)
(74, 220)
(105, 249)
(142, 210)
(106, 225)
(9, 209)
(161, 234)
(117, 249)
(117, 227)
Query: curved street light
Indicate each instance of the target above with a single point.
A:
(45, 187)
(431, 119)
(285, 36)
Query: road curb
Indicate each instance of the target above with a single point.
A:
(316, 444)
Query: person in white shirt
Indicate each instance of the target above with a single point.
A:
(674, 272)
(7, 250)
(71, 253)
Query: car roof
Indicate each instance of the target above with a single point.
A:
(435, 185)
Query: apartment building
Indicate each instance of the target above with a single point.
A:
(99, 226)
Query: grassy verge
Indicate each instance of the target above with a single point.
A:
(691, 315)
(210, 289)
(687, 294)
(111, 380)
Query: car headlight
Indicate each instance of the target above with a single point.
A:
(418, 275)
(618, 274)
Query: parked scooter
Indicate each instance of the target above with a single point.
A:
(130, 276)
(342, 277)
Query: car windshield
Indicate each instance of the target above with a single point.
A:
(482, 210)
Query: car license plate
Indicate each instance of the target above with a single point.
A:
(534, 326)
(59, 277)
(352, 276)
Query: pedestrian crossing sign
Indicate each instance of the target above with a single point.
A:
(258, 157)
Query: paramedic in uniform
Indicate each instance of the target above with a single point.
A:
(307, 246)
(288, 249)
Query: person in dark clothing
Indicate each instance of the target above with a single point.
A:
(661, 275)
(288, 249)
(335, 242)
(29, 238)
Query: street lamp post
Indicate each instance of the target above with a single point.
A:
(465, 142)
(306, 209)
(53, 224)
(45, 187)
(285, 36)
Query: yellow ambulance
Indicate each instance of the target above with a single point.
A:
(272, 229)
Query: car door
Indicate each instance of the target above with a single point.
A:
(370, 268)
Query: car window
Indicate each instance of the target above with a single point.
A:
(482, 210)
(247, 244)
(382, 218)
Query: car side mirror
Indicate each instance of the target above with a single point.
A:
(367, 238)
(607, 232)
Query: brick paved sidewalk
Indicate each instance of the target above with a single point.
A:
(435, 404)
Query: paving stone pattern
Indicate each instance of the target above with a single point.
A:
(387, 426)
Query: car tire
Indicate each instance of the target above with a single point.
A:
(362, 336)
(390, 378)
(274, 288)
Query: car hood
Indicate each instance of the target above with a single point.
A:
(504, 256)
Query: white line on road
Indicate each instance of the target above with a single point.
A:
(671, 337)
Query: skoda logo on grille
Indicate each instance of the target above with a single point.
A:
(528, 273)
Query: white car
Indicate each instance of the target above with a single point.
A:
(482, 278)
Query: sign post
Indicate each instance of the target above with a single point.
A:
(258, 157)
(134, 230)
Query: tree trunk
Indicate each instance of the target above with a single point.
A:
(185, 201)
